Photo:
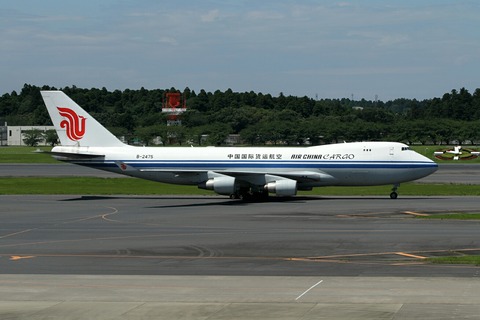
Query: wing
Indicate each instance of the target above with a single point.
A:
(284, 183)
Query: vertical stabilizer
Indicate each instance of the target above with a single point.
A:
(74, 126)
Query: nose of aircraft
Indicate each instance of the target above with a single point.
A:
(429, 166)
(433, 168)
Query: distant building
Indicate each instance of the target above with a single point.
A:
(14, 135)
(3, 135)
(233, 139)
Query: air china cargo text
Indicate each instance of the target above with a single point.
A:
(327, 156)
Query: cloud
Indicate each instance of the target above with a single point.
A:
(380, 38)
(283, 46)
(168, 40)
(210, 16)
(265, 15)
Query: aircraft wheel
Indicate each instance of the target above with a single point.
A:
(245, 196)
(393, 195)
(260, 196)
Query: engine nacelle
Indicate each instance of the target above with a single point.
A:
(221, 185)
(283, 188)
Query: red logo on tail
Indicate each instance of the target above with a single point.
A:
(73, 123)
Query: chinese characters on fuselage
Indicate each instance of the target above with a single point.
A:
(300, 156)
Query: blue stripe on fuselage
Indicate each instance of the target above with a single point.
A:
(221, 164)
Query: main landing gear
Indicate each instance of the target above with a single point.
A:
(394, 194)
(246, 194)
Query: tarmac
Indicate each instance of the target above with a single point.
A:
(137, 257)
(83, 257)
(237, 297)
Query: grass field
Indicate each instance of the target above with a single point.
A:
(452, 216)
(428, 151)
(89, 185)
(475, 260)
(25, 155)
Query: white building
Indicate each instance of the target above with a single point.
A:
(14, 135)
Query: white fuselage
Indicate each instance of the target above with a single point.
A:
(344, 164)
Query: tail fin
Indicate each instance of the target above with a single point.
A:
(74, 126)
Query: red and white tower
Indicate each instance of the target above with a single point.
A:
(174, 105)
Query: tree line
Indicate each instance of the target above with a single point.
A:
(261, 118)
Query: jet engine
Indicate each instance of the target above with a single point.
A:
(283, 188)
(221, 185)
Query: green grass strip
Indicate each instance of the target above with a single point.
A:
(410, 189)
(475, 260)
(25, 155)
(92, 185)
(452, 216)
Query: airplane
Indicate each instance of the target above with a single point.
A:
(249, 173)
(457, 152)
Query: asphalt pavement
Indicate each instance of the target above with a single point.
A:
(153, 257)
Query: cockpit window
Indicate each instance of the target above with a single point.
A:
(405, 148)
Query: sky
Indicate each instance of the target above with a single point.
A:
(366, 49)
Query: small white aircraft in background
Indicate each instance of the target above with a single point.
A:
(457, 152)
(244, 172)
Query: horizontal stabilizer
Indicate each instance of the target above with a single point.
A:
(73, 156)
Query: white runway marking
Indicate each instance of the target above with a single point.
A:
(306, 291)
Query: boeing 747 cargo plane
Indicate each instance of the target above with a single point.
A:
(244, 172)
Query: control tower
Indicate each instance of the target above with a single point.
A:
(174, 105)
